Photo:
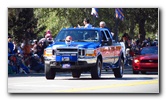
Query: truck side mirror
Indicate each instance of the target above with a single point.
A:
(104, 42)
(109, 41)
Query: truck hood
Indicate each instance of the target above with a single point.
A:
(85, 45)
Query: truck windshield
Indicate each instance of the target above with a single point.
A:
(78, 35)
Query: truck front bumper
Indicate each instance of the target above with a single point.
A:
(80, 63)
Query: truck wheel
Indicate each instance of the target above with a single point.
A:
(49, 72)
(76, 73)
(118, 72)
(96, 70)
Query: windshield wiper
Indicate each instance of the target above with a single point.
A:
(61, 40)
(80, 40)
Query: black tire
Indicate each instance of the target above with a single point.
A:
(118, 72)
(49, 72)
(143, 72)
(76, 73)
(135, 72)
(96, 70)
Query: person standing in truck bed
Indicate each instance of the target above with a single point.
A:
(86, 23)
(102, 24)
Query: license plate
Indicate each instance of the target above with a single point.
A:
(66, 66)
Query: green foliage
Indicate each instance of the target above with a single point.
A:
(48, 19)
(21, 23)
(145, 18)
(34, 22)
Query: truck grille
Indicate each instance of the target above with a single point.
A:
(81, 52)
(71, 50)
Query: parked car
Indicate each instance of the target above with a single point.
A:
(146, 60)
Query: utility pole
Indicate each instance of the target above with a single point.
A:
(94, 20)
(116, 29)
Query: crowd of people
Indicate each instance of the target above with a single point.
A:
(27, 57)
(133, 47)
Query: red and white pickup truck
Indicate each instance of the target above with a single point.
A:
(87, 49)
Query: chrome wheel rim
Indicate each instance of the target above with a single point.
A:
(121, 68)
(99, 69)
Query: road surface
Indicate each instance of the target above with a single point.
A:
(64, 83)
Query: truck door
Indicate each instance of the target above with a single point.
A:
(112, 48)
(107, 51)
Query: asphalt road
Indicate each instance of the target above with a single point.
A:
(64, 83)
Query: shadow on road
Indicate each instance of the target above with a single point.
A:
(86, 75)
(69, 74)
(111, 78)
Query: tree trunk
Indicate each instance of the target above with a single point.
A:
(142, 29)
(132, 25)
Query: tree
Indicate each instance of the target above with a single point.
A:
(146, 18)
(34, 22)
(21, 23)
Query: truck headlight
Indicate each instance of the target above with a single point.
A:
(91, 52)
(48, 52)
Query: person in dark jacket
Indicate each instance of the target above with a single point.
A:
(35, 63)
(102, 24)
(10, 45)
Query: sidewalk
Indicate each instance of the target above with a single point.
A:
(25, 75)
